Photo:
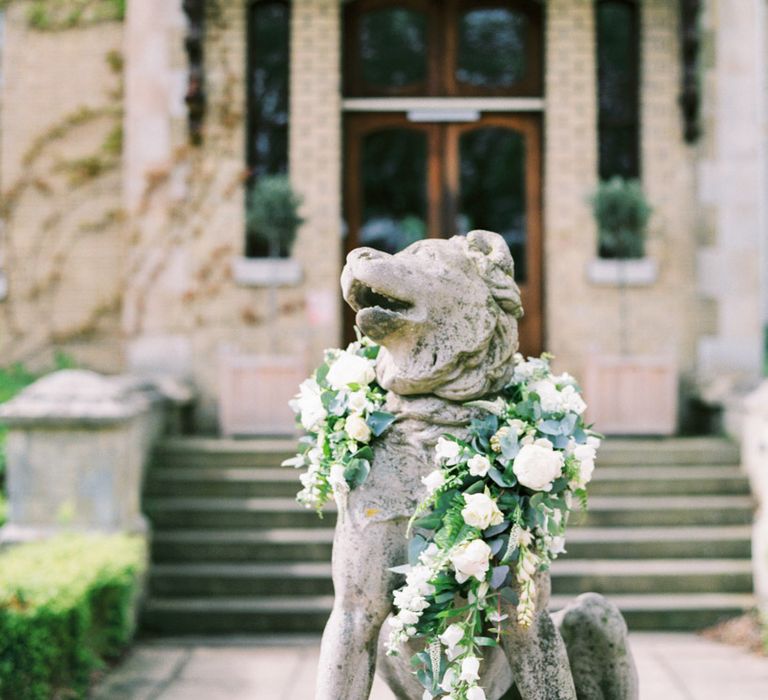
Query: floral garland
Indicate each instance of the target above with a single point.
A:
(495, 513)
(339, 407)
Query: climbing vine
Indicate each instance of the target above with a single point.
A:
(56, 15)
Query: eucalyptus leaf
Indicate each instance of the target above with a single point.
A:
(475, 487)
(415, 547)
(356, 472)
(485, 642)
(510, 595)
(497, 477)
(499, 575)
(379, 421)
(444, 597)
(496, 529)
(497, 545)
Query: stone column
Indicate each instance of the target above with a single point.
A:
(732, 182)
(76, 450)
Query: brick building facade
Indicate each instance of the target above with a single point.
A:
(137, 254)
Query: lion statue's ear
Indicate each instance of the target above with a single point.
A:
(490, 254)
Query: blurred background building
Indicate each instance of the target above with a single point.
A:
(130, 134)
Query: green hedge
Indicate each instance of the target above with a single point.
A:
(66, 604)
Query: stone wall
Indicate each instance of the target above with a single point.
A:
(733, 190)
(187, 215)
(583, 317)
(61, 241)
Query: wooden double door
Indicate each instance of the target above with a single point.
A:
(406, 180)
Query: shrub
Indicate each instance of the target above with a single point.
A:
(622, 212)
(272, 217)
(65, 605)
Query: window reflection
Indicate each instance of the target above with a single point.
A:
(618, 94)
(394, 177)
(491, 47)
(393, 47)
(492, 188)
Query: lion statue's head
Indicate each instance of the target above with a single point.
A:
(444, 311)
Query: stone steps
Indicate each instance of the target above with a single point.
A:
(568, 576)
(283, 483)
(307, 614)
(604, 511)
(296, 544)
(666, 537)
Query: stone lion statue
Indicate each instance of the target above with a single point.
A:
(445, 315)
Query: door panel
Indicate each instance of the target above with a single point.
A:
(404, 181)
(495, 174)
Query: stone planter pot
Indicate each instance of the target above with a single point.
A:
(632, 394)
(76, 448)
(254, 391)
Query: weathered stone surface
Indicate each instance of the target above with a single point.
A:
(596, 637)
(445, 314)
(754, 454)
(76, 449)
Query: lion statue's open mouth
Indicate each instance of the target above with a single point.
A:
(444, 313)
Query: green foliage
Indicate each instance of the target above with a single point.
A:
(65, 605)
(3, 509)
(622, 212)
(272, 215)
(48, 15)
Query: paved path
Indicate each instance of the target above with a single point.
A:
(671, 667)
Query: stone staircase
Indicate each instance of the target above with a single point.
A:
(666, 538)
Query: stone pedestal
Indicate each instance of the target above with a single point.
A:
(754, 456)
(76, 449)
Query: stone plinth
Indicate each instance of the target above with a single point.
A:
(76, 449)
(754, 457)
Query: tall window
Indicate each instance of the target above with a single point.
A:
(618, 79)
(267, 98)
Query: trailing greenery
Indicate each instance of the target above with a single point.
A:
(622, 212)
(66, 604)
(272, 217)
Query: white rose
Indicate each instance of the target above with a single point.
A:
(452, 636)
(586, 455)
(471, 559)
(593, 441)
(433, 481)
(418, 578)
(308, 404)
(470, 666)
(557, 546)
(336, 479)
(357, 401)
(478, 465)
(350, 369)
(586, 467)
(481, 511)
(476, 693)
(537, 467)
(356, 427)
(447, 451)
(571, 401)
(549, 396)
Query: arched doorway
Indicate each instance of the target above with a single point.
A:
(442, 129)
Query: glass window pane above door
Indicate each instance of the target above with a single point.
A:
(394, 187)
(492, 193)
(492, 47)
(393, 47)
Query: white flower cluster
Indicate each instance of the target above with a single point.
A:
(512, 481)
(334, 407)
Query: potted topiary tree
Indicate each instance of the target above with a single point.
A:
(628, 393)
(254, 388)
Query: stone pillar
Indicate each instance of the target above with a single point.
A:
(76, 450)
(754, 456)
(732, 182)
